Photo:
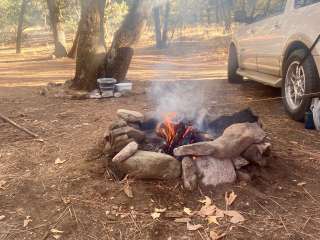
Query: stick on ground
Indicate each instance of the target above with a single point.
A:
(18, 126)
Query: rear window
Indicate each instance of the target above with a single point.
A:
(302, 3)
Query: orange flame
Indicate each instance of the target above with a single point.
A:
(168, 128)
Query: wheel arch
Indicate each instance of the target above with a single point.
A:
(295, 45)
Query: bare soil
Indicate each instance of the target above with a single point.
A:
(80, 198)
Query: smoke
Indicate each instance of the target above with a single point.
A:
(186, 98)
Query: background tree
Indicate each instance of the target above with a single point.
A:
(161, 23)
(20, 25)
(119, 56)
(56, 22)
(90, 50)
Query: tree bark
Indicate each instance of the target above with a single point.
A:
(73, 50)
(90, 51)
(20, 25)
(157, 26)
(164, 40)
(57, 28)
(124, 39)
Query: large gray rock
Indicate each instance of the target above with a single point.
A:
(257, 153)
(130, 116)
(189, 174)
(151, 165)
(231, 144)
(213, 171)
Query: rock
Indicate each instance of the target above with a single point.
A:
(189, 174)
(256, 153)
(117, 124)
(131, 132)
(119, 139)
(116, 148)
(130, 116)
(213, 171)
(136, 134)
(231, 144)
(239, 162)
(126, 152)
(243, 175)
(151, 165)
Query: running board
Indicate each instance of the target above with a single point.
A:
(261, 77)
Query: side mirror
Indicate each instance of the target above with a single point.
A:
(241, 17)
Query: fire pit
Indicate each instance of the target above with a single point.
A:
(203, 150)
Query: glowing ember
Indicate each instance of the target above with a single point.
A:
(175, 133)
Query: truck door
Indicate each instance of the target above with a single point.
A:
(247, 38)
(272, 38)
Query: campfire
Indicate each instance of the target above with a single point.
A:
(216, 151)
(176, 132)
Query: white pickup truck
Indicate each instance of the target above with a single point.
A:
(272, 46)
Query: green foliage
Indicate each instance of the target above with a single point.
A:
(114, 14)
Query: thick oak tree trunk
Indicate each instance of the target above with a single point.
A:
(119, 56)
(73, 50)
(20, 25)
(57, 28)
(90, 50)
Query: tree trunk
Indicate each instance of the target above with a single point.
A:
(57, 28)
(164, 40)
(20, 26)
(90, 51)
(124, 39)
(73, 50)
(102, 29)
(157, 26)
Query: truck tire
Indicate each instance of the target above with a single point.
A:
(300, 84)
(233, 66)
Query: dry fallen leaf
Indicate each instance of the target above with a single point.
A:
(213, 219)
(59, 161)
(230, 198)
(215, 236)
(187, 211)
(27, 221)
(160, 210)
(2, 217)
(55, 231)
(219, 213)
(236, 217)
(155, 215)
(192, 227)
(128, 190)
(2, 183)
(207, 210)
(66, 200)
(301, 184)
(182, 220)
(207, 201)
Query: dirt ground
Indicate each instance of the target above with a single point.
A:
(81, 199)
